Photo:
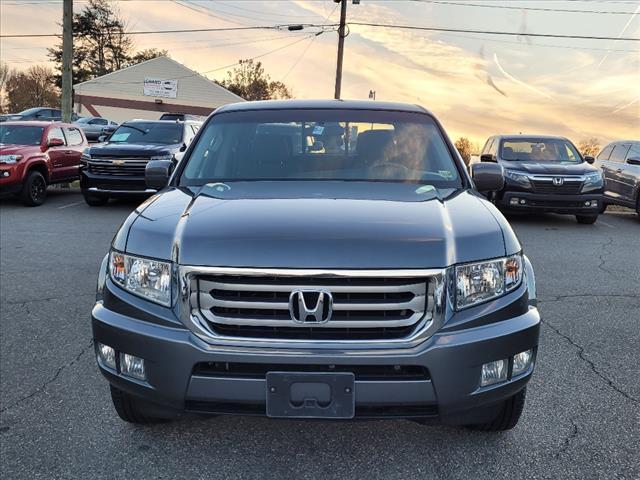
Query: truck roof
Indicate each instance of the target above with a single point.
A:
(322, 105)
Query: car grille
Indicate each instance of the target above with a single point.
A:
(363, 308)
(570, 186)
(125, 167)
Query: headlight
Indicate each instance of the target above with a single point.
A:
(593, 182)
(162, 157)
(10, 158)
(145, 277)
(479, 282)
(517, 177)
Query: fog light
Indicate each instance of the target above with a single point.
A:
(522, 362)
(522, 201)
(514, 201)
(107, 355)
(5, 173)
(493, 372)
(587, 203)
(132, 366)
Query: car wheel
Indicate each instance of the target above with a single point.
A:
(34, 190)
(509, 414)
(132, 410)
(94, 201)
(586, 219)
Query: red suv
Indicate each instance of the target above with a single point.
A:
(36, 154)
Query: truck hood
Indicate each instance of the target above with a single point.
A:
(550, 168)
(318, 230)
(132, 150)
(24, 150)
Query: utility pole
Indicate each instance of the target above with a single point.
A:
(341, 35)
(67, 60)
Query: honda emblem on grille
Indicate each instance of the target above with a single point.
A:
(558, 181)
(310, 306)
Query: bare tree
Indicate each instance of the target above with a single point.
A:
(5, 73)
(589, 146)
(33, 87)
(250, 81)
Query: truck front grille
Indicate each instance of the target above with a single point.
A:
(570, 185)
(124, 167)
(362, 307)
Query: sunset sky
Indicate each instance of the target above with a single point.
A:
(477, 85)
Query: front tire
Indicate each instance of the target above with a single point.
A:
(586, 219)
(509, 414)
(94, 201)
(34, 190)
(132, 410)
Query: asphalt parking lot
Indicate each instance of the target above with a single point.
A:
(582, 418)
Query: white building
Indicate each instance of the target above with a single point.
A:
(149, 89)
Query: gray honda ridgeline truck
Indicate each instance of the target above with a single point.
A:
(318, 259)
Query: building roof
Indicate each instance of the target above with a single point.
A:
(323, 105)
(128, 82)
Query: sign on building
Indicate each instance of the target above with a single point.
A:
(155, 87)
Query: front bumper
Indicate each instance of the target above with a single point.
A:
(113, 186)
(555, 203)
(448, 393)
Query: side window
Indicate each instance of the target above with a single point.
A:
(619, 153)
(487, 146)
(604, 154)
(44, 114)
(98, 121)
(55, 132)
(634, 151)
(74, 137)
(493, 148)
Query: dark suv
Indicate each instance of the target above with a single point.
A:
(620, 163)
(545, 174)
(318, 259)
(116, 168)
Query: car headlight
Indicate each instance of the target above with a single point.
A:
(162, 157)
(482, 281)
(593, 181)
(10, 158)
(144, 277)
(517, 177)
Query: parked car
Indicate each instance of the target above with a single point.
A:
(620, 163)
(36, 154)
(116, 168)
(182, 117)
(44, 114)
(545, 174)
(95, 127)
(269, 277)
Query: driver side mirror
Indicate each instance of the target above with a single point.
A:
(633, 161)
(488, 177)
(55, 142)
(157, 173)
(589, 159)
(488, 157)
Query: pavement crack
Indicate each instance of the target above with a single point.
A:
(53, 378)
(605, 251)
(573, 433)
(25, 303)
(559, 298)
(590, 363)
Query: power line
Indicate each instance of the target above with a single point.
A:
(514, 7)
(487, 32)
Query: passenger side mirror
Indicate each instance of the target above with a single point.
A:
(633, 161)
(589, 159)
(487, 157)
(55, 142)
(157, 173)
(488, 177)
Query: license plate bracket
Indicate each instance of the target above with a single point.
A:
(310, 395)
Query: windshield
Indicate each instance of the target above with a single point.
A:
(20, 134)
(539, 150)
(141, 132)
(343, 145)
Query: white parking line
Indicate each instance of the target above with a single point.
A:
(70, 205)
